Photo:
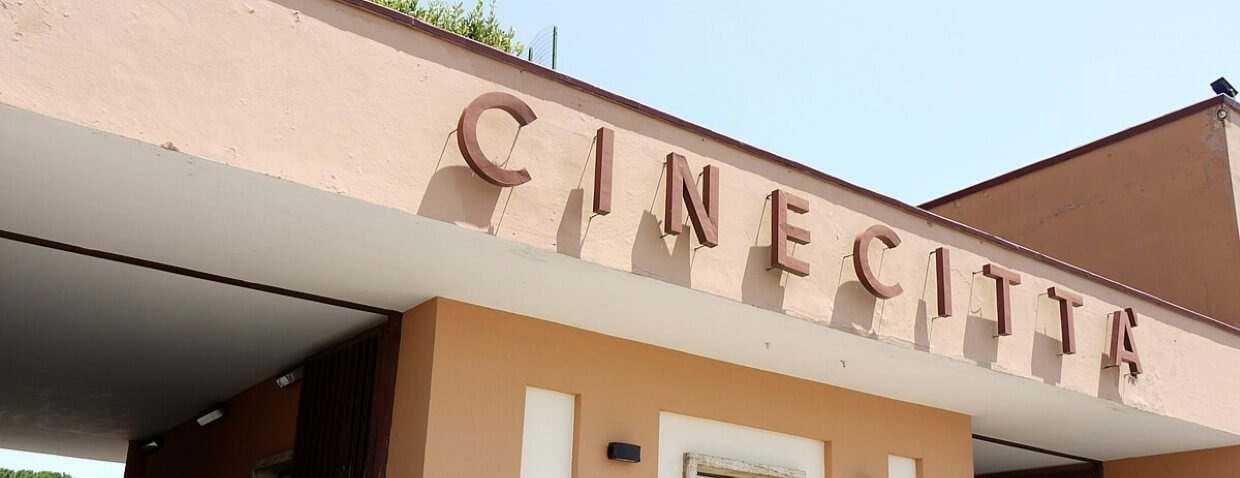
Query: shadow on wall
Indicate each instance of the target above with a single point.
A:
(854, 308)
(1111, 377)
(652, 258)
(1046, 361)
(980, 345)
(570, 237)
(922, 320)
(456, 196)
(921, 327)
(761, 287)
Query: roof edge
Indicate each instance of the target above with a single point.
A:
(488, 51)
(1219, 100)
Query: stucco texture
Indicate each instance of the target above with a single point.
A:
(330, 96)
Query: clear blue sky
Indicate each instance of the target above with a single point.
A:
(912, 99)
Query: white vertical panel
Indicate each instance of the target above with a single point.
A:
(547, 442)
(679, 434)
(901, 467)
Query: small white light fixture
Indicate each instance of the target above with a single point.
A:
(212, 415)
(293, 376)
(151, 445)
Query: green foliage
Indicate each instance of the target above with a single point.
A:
(478, 23)
(7, 473)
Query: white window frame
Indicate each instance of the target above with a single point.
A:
(696, 463)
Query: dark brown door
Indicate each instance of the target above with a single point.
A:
(344, 413)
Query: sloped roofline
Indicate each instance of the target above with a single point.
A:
(1220, 100)
(518, 62)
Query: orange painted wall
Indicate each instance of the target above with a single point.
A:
(407, 436)
(482, 360)
(1155, 210)
(1212, 463)
(261, 422)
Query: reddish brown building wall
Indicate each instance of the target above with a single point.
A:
(260, 423)
(1213, 463)
(1154, 210)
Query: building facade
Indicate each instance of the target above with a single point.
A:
(229, 252)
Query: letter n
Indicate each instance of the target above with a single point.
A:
(681, 189)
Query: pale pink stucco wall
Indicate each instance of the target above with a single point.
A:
(318, 92)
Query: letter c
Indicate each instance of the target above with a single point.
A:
(861, 260)
(467, 137)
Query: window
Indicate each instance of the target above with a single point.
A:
(547, 436)
(901, 467)
(705, 466)
(685, 440)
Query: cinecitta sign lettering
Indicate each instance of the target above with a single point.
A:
(703, 208)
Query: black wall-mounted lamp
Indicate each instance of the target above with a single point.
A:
(626, 452)
(1223, 87)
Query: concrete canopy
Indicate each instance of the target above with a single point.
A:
(75, 185)
(98, 352)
